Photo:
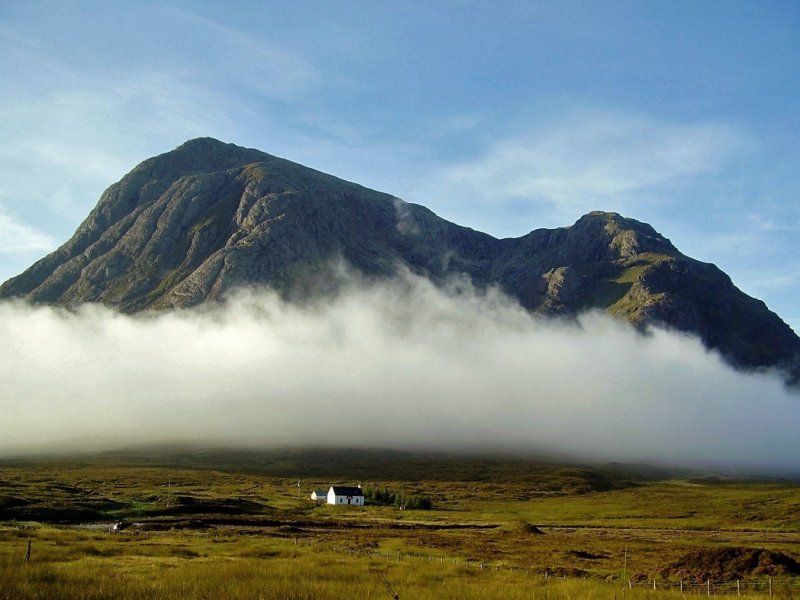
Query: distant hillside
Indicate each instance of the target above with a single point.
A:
(185, 227)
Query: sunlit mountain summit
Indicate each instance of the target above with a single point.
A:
(188, 226)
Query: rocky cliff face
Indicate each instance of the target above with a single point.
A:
(187, 226)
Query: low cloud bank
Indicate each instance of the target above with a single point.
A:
(399, 364)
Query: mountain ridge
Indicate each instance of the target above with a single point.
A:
(186, 226)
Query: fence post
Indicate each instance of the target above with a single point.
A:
(681, 586)
(28, 553)
(770, 587)
(654, 585)
(708, 586)
(738, 591)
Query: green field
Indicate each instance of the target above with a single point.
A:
(236, 525)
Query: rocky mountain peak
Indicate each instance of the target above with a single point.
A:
(206, 154)
(615, 236)
(187, 226)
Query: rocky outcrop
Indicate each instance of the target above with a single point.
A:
(187, 226)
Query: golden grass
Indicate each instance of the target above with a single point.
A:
(278, 544)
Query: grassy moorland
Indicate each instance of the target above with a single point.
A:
(235, 525)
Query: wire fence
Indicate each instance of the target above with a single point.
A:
(786, 588)
(739, 588)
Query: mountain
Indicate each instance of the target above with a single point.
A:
(184, 227)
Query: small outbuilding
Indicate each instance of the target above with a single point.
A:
(319, 496)
(344, 495)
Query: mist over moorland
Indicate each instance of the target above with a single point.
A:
(397, 364)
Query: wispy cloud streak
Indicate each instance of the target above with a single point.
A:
(21, 238)
(589, 157)
(254, 61)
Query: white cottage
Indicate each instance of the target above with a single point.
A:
(343, 495)
(319, 496)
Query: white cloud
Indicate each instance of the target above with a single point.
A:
(18, 237)
(63, 146)
(272, 70)
(401, 364)
(755, 249)
(88, 131)
(64, 125)
(588, 158)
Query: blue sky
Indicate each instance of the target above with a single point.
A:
(503, 116)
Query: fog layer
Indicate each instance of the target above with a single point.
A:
(399, 364)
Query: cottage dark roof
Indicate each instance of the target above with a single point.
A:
(341, 490)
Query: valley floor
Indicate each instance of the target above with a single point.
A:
(228, 526)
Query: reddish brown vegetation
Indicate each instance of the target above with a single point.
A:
(728, 564)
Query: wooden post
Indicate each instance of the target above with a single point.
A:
(28, 553)
(625, 567)
(708, 586)
(654, 585)
(681, 586)
(770, 587)
(738, 590)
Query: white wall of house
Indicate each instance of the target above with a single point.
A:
(344, 500)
